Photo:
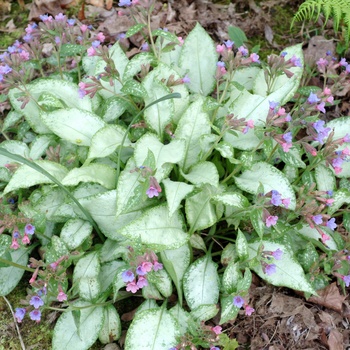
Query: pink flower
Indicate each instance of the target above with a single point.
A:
(132, 287)
(100, 37)
(220, 48)
(271, 220)
(91, 51)
(180, 40)
(157, 266)
(142, 282)
(217, 330)
(248, 310)
(83, 28)
(25, 239)
(14, 244)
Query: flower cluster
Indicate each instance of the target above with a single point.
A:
(136, 277)
(25, 239)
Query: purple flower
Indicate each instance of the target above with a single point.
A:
(254, 57)
(152, 192)
(142, 282)
(287, 137)
(243, 51)
(124, 3)
(346, 279)
(19, 314)
(36, 301)
(35, 315)
(271, 220)
(60, 17)
(296, 61)
(320, 107)
(145, 47)
(238, 301)
(29, 229)
(96, 43)
(71, 22)
(270, 269)
(157, 266)
(229, 44)
(128, 276)
(331, 224)
(186, 79)
(317, 219)
(313, 98)
(277, 254)
(276, 198)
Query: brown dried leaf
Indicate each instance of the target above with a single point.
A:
(329, 297)
(335, 340)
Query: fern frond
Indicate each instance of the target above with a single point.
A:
(339, 10)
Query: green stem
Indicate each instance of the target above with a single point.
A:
(11, 263)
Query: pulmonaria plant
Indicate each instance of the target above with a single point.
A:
(141, 176)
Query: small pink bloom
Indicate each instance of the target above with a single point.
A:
(157, 266)
(100, 37)
(248, 310)
(83, 28)
(25, 239)
(180, 40)
(271, 220)
(220, 48)
(142, 282)
(217, 330)
(14, 244)
(91, 51)
(132, 287)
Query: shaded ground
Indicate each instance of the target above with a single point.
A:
(283, 320)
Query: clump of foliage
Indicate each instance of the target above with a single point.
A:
(141, 176)
(338, 10)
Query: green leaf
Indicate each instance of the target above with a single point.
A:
(97, 173)
(157, 230)
(63, 90)
(289, 273)
(176, 261)
(270, 177)
(111, 327)
(236, 200)
(229, 311)
(200, 212)
(74, 125)
(165, 155)
(241, 246)
(204, 312)
(152, 329)
(14, 147)
(201, 283)
(231, 277)
(10, 275)
(193, 124)
(204, 172)
(198, 58)
(159, 115)
(74, 232)
(237, 35)
(25, 176)
(134, 29)
(106, 141)
(325, 178)
(67, 336)
(175, 192)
